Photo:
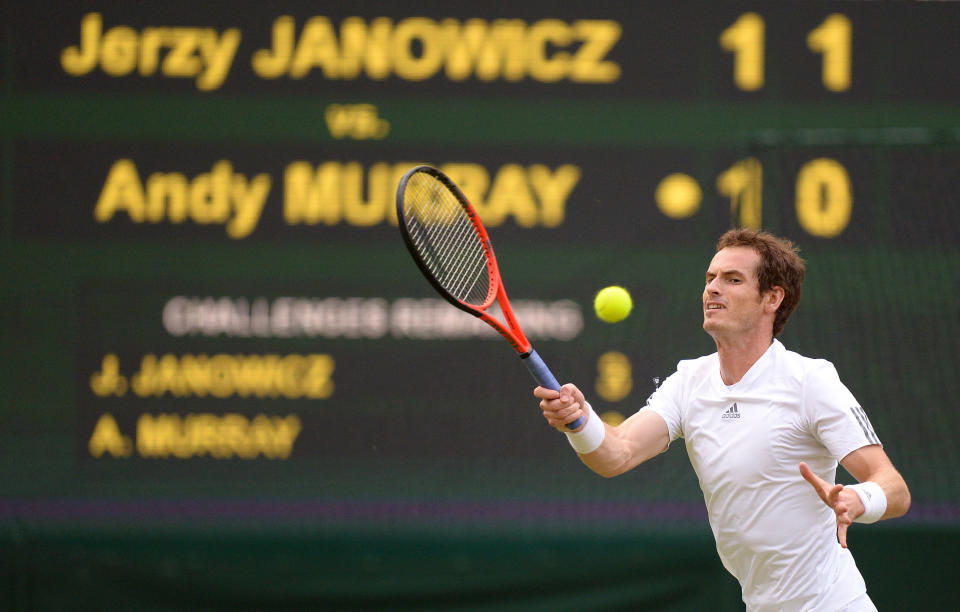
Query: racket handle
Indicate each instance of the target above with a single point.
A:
(545, 378)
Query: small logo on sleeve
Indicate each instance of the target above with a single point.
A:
(731, 413)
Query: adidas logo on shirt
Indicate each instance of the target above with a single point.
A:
(731, 413)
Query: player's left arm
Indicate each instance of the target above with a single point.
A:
(870, 463)
(872, 468)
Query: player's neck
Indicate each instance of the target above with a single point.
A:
(738, 354)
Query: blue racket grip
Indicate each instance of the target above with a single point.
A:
(545, 378)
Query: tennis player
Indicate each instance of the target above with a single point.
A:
(762, 425)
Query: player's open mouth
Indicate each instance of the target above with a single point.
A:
(714, 306)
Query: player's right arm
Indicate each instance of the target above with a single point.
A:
(642, 436)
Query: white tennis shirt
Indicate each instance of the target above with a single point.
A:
(745, 441)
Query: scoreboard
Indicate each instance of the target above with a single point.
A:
(207, 296)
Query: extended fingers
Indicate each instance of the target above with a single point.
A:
(844, 511)
(809, 476)
(833, 495)
(843, 523)
(821, 486)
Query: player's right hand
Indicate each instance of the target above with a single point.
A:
(561, 407)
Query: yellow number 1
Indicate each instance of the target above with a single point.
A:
(745, 40)
(743, 184)
(832, 38)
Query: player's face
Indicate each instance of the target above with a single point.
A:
(732, 302)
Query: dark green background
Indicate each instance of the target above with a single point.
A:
(428, 480)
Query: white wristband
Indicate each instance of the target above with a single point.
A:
(591, 436)
(874, 501)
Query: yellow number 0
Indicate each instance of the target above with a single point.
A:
(824, 198)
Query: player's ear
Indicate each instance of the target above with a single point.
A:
(772, 298)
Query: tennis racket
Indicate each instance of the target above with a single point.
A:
(452, 249)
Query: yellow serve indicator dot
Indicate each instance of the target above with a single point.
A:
(678, 196)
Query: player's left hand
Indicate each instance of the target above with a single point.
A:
(844, 502)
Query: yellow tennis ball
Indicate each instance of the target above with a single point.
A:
(612, 304)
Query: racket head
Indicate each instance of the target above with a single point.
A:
(447, 240)
(451, 247)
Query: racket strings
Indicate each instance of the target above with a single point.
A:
(451, 234)
(467, 267)
(448, 235)
(444, 236)
(457, 266)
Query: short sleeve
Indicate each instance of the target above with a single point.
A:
(834, 414)
(666, 401)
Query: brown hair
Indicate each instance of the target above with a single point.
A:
(780, 265)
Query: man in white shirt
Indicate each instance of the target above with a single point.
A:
(762, 425)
